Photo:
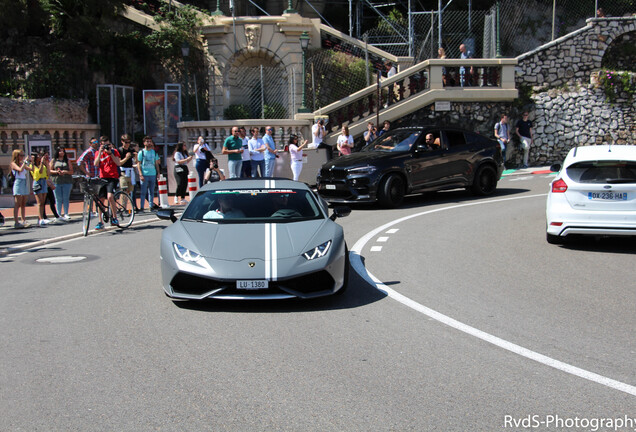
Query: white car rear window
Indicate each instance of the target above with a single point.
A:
(605, 171)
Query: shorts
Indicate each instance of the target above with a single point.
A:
(43, 186)
(109, 187)
(20, 187)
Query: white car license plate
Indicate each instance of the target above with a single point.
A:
(607, 196)
(330, 186)
(252, 284)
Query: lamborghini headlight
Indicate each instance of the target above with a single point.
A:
(318, 251)
(185, 254)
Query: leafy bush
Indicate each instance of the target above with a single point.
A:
(235, 112)
(275, 111)
(615, 83)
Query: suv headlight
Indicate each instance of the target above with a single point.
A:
(185, 254)
(318, 251)
(368, 169)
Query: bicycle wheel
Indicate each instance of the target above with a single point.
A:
(86, 215)
(124, 209)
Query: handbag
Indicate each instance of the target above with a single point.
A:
(36, 186)
(179, 169)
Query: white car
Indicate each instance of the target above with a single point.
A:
(594, 193)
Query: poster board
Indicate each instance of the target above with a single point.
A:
(37, 143)
(71, 154)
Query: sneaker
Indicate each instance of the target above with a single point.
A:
(99, 226)
(26, 224)
(176, 200)
(155, 207)
(66, 218)
(18, 225)
(93, 214)
(41, 223)
(45, 221)
(114, 221)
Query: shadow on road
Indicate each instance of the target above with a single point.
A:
(600, 244)
(359, 293)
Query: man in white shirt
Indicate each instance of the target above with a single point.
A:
(246, 169)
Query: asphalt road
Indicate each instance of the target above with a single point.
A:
(95, 345)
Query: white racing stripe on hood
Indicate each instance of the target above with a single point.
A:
(271, 252)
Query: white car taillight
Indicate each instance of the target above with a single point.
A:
(559, 186)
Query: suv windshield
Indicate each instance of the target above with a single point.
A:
(401, 140)
(605, 171)
(253, 205)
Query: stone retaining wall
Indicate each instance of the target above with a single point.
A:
(24, 111)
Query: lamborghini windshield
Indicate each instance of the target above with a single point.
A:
(253, 205)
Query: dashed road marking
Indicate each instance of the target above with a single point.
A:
(358, 266)
(392, 230)
(376, 248)
(382, 239)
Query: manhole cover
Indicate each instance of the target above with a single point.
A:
(64, 259)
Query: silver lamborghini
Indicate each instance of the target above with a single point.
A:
(254, 239)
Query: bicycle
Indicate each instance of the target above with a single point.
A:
(124, 211)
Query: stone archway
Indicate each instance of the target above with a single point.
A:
(257, 80)
(620, 53)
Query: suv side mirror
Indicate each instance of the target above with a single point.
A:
(340, 211)
(167, 214)
(555, 167)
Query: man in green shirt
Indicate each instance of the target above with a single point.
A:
(233, 148)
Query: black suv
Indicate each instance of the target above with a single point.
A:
(411, 160)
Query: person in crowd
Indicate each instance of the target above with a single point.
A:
(50, 190)
(213, 174)
(19, 167)
(181, 160)
(465, 78)
(148, 168)
(40, 174)
(525, 133)
(385, 128)
(345, 142)
(318, 134)
(61, 174)
(136, 184)
(390, 71)
(446, 80)
(296, 155)
(128, 155)
(233, 147)
(370, 134)
(108, 161)
(86, 162)
(271, 152)
(502, 133)
(600, 13)
(202, 153)
(246, 167)
(257, 149)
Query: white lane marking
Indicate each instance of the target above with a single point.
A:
(520, 178)
(376, 248)
(392, 231)
(382, 239)
(358, 266)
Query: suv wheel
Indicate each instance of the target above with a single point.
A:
(391, 191)
(485, 181)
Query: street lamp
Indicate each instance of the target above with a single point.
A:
(304, 43)
(185, 51)
(290, 9)
(217, 12)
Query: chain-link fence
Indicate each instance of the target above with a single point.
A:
(260, 93)
(524, 25)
